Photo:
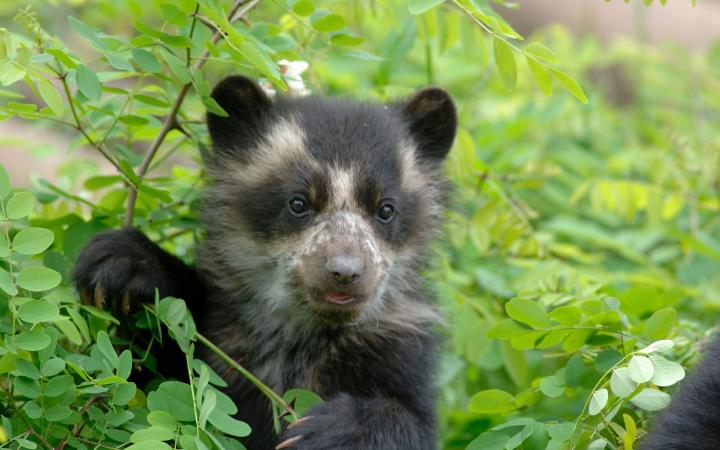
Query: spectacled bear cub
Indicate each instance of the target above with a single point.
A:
(692, 420)
(317, 222)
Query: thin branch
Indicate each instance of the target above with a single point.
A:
(79, 427)
(30, 429)
(170, 123)
(265, 389)
(79, 127)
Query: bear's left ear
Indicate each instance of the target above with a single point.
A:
(433, 120)
(247, 108)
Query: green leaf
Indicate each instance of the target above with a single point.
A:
(152, 101)
(169, 39)
(106, 348)
(528, 312)
(253, 52)
(660, 324)
(606, 359)
(662, 346)
(152, 434)
(51, 96)
(119, 62)
(6, 283)
(651, 400)
(208, 405)
(539, 51)
(58, 413)
(325, 21)
(162, 419)
(4, 183)
(124, 365)
(4, 245)
(70, 331)
(32, 340)
(227, 424)
(27, 369)
(84, 30)
(145, 60)
(551, 388)
(66, 59)
(38, 278)
(52, 367)
(621, 384)
(178, 68)
(566, 315)
(35, 311)
(598, 400)
(569, 84)
(491, 401)
(302, 8)
(149, 445)
(123, 393)
(20, 205)
(575, 340)
(641, 369)
(88, 82)
(420, 6)
(505, 329)
(489, 441)
(10, 73)
(302, 400)
(173, 397)
(561, 431)
(505, 62)
(59, 385)
(32, 241)
(345, 39)
(541, 75)
(666, 372)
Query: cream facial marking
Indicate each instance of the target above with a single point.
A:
(283, 142)
(412, 178)
(343, 185)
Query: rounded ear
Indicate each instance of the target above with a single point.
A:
(433, 121)
(246, 105)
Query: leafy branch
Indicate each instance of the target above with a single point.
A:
(239, 11)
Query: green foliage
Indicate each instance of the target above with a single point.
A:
(578, 271)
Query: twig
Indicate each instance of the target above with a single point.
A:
(79, 427)
(79, 127)
(30, 429)
(272, 395)
(170, 123)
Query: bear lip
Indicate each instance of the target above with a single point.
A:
(339, 298)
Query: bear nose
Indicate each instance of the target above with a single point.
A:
(345, 269)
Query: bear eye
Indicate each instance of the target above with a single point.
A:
(299, 206)
(386, 212)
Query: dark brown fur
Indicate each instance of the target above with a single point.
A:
(271, 288)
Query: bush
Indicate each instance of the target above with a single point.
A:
(577, 273)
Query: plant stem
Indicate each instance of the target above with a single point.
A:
(31, 430)
(79, 127)
(239, 10)
(272, 395)
(78, 428)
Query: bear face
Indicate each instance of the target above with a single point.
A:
(319, 206)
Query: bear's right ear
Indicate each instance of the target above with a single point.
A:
(247, 107)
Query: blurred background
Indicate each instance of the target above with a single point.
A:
(604, 214)
(694, 28)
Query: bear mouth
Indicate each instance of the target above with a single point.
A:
(337, 307)
(340, 298)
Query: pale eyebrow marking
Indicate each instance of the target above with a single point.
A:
(343, 188)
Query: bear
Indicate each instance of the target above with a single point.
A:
(318, 219)
(692, 420)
